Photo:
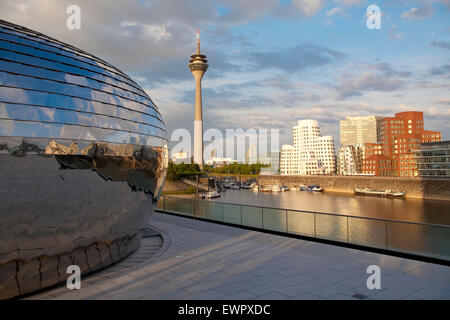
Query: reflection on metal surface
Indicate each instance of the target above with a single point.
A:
(139, 166)
(83, 158)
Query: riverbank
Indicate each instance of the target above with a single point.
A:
(177, 188)
(417, 188)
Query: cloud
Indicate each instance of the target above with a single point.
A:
(385, 69)
(440, 70)
(328, 23)
(297, 58)
(307, 8)
(394, 35)
(154, 32)
(348, 3)
(349, 86)
(271, 83)
(441, 44)
(333, 11)
(445, 101)
(418, 13)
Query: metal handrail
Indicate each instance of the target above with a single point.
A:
(315, 212)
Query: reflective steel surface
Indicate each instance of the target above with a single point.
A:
(83, 157)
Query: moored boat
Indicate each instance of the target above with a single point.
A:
(254, 187)
(212, 194)
(315, 188)
(235, 186)
(379, 193)
(276, 188)
(245, 185)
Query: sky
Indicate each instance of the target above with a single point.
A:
(271, 62)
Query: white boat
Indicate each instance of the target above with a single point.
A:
(276, 188)
(285, 188)
(254, 187)
(294, 188)
(267, 188)
(234, 186)
(303, 187)
(212, 194)
(245, 185)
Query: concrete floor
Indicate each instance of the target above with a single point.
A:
(202, 260)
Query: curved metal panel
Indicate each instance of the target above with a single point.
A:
(83, 158)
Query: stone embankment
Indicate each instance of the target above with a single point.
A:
(434, 189)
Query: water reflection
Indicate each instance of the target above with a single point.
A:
(416, 210)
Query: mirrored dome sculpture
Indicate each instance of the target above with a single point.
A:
(83, 157)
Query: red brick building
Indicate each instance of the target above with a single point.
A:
(399, 135)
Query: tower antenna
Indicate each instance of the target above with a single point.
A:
(198, 41)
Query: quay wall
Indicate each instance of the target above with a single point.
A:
(422, 188)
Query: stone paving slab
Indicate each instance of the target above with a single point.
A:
(202, 260)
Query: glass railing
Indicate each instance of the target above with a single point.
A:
(422, 239)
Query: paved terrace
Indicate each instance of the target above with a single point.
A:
(203, 260)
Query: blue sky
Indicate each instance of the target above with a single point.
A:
(271, 62)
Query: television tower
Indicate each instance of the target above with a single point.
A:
(198, 65)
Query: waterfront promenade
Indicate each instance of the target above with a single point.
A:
(201, 260)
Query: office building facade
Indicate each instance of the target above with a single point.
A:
(350, 158)
(433, 159)
(359, 130)
(399, 136)
(311, 152)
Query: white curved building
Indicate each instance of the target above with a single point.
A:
(310, 154)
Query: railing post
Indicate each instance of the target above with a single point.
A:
(241, 213)
(262, 218)
(193, 208)
(164, 204)
(315, 232)
(386, 223)
(348, 240)
(222, 211)
(287, 228)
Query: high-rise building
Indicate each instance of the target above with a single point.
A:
(251, 156)
(198, 66)
(310, 154)
(349, 159)
(362, 129)
(288, 160)
(399, 136)
(355, 133)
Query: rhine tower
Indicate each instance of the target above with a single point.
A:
(198, 66)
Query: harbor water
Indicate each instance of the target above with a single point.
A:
(415, 210)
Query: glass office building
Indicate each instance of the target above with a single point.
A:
(433, 159)
(83, 158)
